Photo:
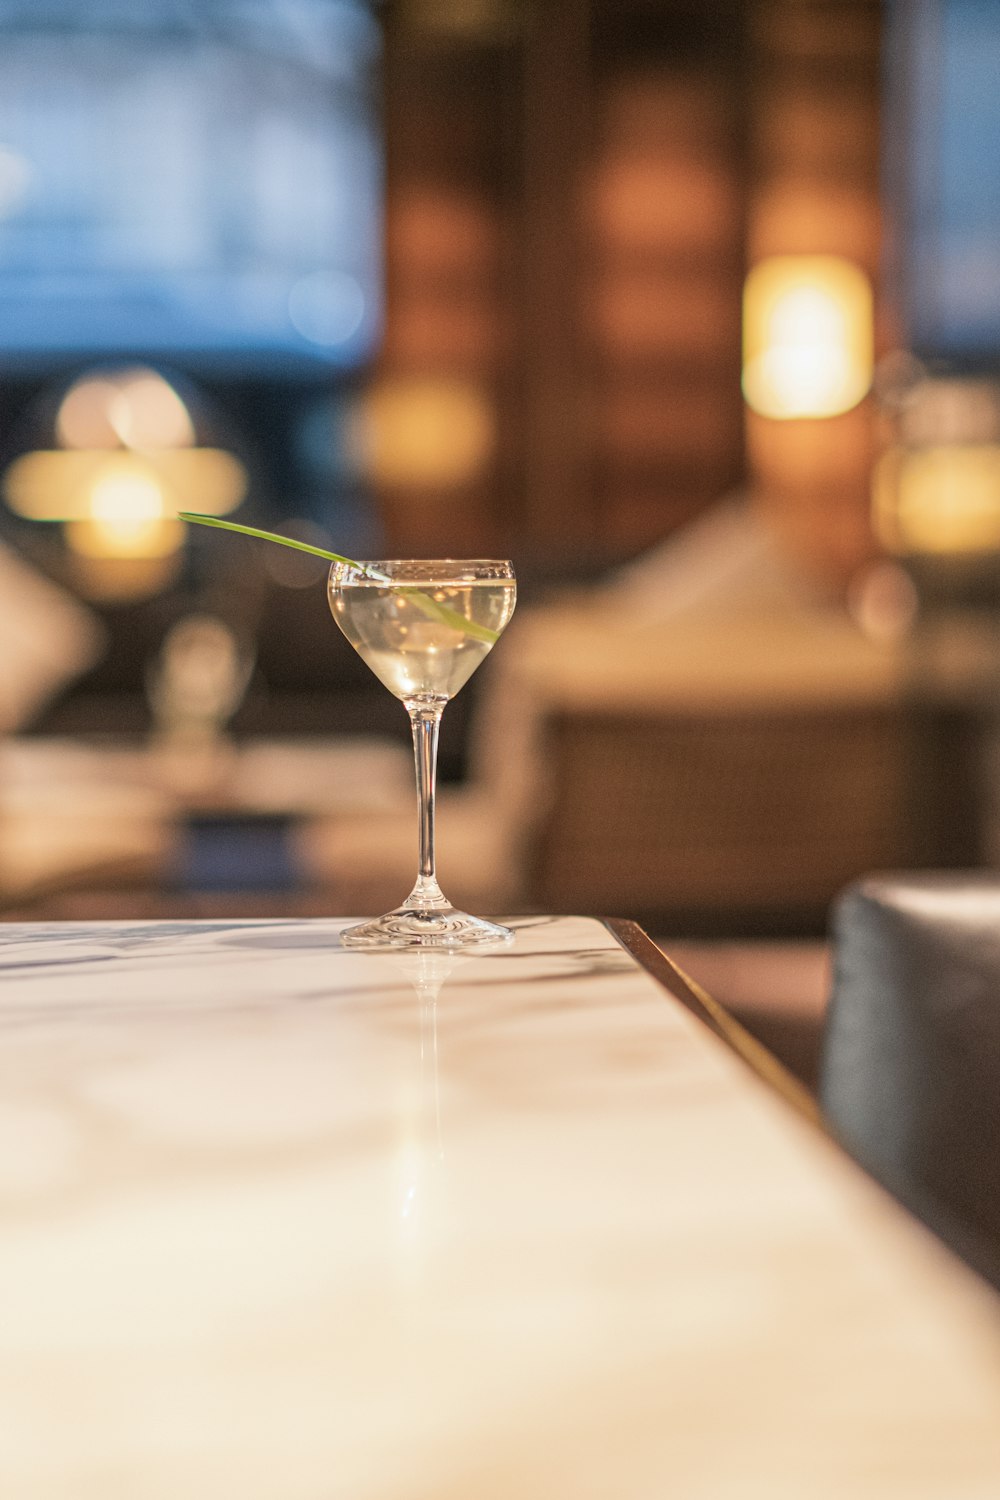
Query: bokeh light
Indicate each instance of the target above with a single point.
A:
(127, 462)
(808, 343)
(431, 433)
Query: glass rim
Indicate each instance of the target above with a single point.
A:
(427, 562)
(423, 570)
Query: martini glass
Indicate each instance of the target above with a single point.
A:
(423, 628)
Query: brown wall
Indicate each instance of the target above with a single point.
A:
(814, 107)
(574, 189)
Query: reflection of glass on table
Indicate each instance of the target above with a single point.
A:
(427, 969)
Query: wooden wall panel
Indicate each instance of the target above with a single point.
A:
(669, 206)
(564, 232)
(815, 189)
(448, 315)
(572, 200)
(650, 316)
(664, 215)
(445, 331)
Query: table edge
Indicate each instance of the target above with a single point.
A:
(640, 946)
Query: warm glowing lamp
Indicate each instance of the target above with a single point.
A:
(943, 499)
(126, 515)
(127, 462)
(426, 432)
(51, 485)
(808, 346)
(127, 458)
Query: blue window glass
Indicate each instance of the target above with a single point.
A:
(190, 179)
(943, 148)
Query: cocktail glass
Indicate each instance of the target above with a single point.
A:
(423, 627)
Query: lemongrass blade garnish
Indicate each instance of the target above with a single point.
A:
(268, 536)
(427, 606)
(435, 610)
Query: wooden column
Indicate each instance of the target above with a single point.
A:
(440, 448)
(816, 190)
(558, 494)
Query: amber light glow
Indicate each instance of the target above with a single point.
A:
(127, 516)
(426, 432)
(127, 462)
(943, 499)
(808, 344)
(49, 485)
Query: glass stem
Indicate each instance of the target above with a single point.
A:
(425, 721)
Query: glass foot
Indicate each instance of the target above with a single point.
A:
(425, 927)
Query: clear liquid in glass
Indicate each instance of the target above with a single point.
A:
(414, 654)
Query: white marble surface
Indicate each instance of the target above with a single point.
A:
(276, 1223)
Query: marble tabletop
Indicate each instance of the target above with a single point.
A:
(281, 1220)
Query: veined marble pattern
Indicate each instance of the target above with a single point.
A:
(279, 1221)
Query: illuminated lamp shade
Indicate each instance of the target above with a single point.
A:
(808, 343)
(127, 460)
(127, 517)
(941, 500)
(50, 485)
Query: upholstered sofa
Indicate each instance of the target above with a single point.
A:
(910, 1072)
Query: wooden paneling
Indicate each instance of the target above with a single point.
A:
(826, 128)
(814, 189)
(670, 206)
(448, 318)
(663, 210)
(440, 330)
(557, 510)
(679, 423)
(564, 231)
(661, 317)
(572, 200)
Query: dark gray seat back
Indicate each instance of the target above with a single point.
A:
(910, 1072)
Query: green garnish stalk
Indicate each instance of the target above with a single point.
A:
(267, 536)
(432, 608)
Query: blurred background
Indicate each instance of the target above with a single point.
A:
(691, 310)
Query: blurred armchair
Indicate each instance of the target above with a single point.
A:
(704, 742)
(726, 764)
(48, 639)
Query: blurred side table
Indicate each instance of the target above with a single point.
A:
(77, 813)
